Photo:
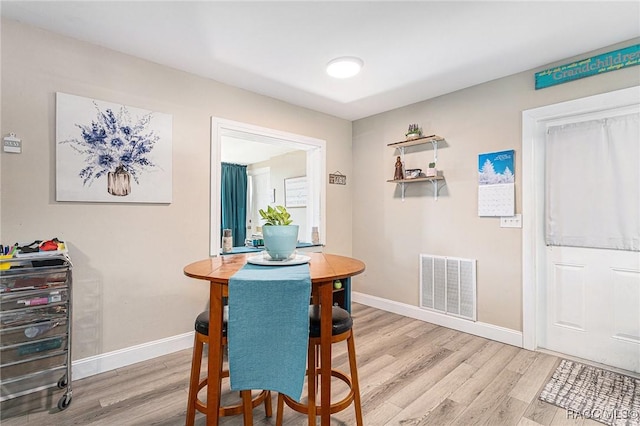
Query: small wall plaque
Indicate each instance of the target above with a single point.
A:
(12, 144)
(337, 178)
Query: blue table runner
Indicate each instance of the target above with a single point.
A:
(268, 328)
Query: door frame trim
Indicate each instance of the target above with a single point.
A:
(316, 166)
(533, 247)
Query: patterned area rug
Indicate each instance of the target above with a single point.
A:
(587, 392)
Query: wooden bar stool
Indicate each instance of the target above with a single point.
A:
(247, 403)
(342, 326)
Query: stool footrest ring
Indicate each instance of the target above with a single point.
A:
(230, 410)
(336, 406)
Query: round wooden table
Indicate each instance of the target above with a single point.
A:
(324, 269)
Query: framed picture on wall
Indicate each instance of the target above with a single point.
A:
(113, 153)
(295, 192)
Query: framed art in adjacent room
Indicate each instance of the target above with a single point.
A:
(295, 192)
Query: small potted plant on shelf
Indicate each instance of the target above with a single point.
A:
(431, 170)
(414, 132)
(280, 236)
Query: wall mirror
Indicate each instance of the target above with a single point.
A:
(280, 168)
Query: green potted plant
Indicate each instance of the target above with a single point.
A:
(414, 132)
(280, 236)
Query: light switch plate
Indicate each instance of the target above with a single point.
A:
(511, 221)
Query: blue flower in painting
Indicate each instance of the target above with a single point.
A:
(95, 135)
(117, 142)
(126, 158)
(114, 142)
(105, 160)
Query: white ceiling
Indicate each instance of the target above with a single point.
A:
(412, 51)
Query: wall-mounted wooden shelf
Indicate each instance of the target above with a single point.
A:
(433, 140)
(420, 179)
(418, 141)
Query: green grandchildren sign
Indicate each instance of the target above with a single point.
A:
(611, 61)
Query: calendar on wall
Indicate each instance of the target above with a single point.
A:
(496, 184)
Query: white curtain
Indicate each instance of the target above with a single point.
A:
(593, 183)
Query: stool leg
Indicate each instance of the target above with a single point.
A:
(196, 361)
(247, 407)
(220, 376)
(317, 364)
(268, 411)
(311, 383)
(351, 348)
(280, 410)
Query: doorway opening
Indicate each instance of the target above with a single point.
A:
(244, 143)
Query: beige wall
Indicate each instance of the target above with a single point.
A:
(128, 258)
(388, 234)
(289, 165)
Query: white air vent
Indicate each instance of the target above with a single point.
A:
(448, 285)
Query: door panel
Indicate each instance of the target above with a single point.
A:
(593, 305)
(626, 294)
(568, 301)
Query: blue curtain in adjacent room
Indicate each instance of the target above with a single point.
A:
(234, 201)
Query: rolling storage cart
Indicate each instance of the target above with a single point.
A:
(35, 325)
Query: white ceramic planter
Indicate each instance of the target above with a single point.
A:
(412, 136)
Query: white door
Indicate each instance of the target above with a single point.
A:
(593, 305)
(590, 297)
(260, 194)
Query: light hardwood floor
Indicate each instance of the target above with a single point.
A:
(411, 373)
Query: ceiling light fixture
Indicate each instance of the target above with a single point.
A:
(344, 67)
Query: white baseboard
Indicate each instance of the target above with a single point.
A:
(489, 331)
(121, 358)
(111, 360)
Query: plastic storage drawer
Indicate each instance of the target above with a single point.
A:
(18, 369)
(13, 281)
(30, 350)
(33, 331)
(32, 315)
(13, 388)
(25, 299)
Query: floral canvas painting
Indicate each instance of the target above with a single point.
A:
(106, 152)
